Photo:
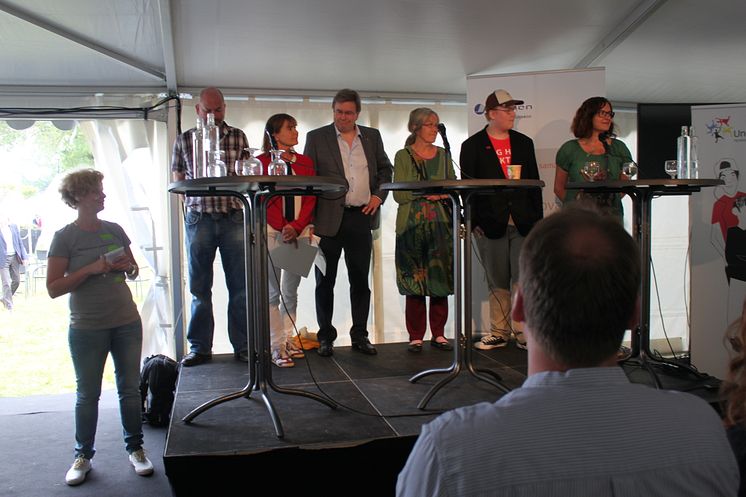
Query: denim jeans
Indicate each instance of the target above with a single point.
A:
(205, 233)
(89, 349)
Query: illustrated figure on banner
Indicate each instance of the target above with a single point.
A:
(728, 234)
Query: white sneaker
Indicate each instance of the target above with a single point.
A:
(490, 342)
(78, 471)
(142, 464)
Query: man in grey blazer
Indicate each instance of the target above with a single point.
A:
(343, 221)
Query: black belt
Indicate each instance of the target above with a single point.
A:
(218, 215)
(354, 207)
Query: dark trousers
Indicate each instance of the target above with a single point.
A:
(415, 312)
(355, 239)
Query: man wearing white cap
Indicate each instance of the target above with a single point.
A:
(501, 221)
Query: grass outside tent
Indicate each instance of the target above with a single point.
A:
(36, 356)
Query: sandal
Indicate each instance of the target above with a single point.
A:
(282, 361)
(294, 351)
(415, 347)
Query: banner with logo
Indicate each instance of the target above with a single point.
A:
(550, 101)
(718, 240)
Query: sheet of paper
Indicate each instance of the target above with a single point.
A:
(298, 259)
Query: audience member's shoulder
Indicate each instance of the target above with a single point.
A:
(464, 420)
(682, 404)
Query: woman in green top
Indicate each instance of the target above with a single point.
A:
(424, 252)
(593, 126)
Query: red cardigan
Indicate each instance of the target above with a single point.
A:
(303, 217)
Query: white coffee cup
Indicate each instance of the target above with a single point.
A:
(514, 171)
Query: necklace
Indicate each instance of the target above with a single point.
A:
(594, 147)
(426, 154)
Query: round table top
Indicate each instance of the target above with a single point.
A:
(253, 184)
(442, 185)
(657, 184)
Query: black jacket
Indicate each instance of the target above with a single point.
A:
(490, 212)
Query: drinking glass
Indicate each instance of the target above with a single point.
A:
(670, 167)
(277, 167)
(238, 167)
(630, 170)
(252, 165)
(590, 170)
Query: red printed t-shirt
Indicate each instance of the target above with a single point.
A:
(722, 212)
(502, 150)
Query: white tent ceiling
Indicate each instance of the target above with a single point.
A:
(653, 50)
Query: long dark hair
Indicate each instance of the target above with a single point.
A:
(274, 125)
(582, 123)
(733, 389)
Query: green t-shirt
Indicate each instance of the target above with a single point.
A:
(571, 157)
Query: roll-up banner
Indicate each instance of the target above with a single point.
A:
(718, 234)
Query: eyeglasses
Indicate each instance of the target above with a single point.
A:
(509, 108)
(430, 125)
(603, 113)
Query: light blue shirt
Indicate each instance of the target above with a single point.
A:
(584, 432)
(356, 169)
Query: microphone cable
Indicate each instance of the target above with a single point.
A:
(313, 377)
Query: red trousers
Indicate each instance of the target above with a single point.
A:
(416, 316)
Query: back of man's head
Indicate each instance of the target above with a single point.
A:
(580, 278)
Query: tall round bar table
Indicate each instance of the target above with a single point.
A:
(254, 193)
(642, 192)
(464, 189)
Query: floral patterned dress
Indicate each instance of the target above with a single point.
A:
(424, 243)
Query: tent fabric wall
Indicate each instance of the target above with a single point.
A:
(132, 156)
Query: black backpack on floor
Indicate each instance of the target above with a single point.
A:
(157, 386)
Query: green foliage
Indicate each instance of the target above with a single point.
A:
(34, 156)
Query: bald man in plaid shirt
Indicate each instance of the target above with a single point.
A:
(212, 223)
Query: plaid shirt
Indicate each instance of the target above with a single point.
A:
(232, 142)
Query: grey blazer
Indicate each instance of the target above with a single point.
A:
(323, 149)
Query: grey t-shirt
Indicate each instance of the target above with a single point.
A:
(102, 300)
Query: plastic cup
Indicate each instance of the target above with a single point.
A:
(514, 171)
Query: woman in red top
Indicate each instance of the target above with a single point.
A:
(288, 219)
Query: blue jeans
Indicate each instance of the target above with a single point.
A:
(204, 234)
(89, 349)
